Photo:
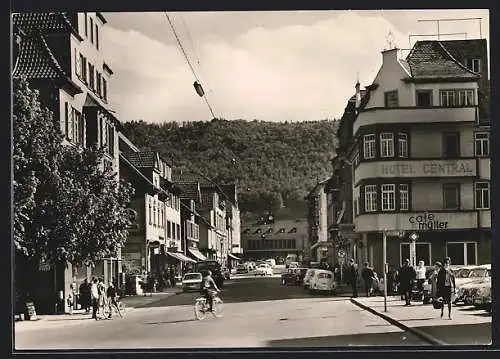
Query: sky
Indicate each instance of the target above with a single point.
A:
(271, 66)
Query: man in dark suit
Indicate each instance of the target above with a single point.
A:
(407, 275)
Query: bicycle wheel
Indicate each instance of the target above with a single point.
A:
(217, 307)
(199, 309)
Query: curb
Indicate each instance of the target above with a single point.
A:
(428, 338)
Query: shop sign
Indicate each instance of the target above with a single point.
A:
(427, 221)
(430, 168)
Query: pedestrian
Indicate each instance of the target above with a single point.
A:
(420, 270)
(446, 285)
(71, 300)
(111, 295)
(85, 299)
(391, 273)
(101, 288)
(94, 292)
(352, 275)
(407, 275)
(433, 279)
(368, 276)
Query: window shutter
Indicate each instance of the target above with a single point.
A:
(70, 123)
(78, 69)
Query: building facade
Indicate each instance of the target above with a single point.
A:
(61, 55)
(321, 248)
(276, 240)
(421, 162)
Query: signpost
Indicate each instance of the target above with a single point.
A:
(413, 249)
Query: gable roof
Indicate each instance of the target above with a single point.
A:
(45, 22)
(430, 59)
(144, 159)
(190, 190)
(36, 61)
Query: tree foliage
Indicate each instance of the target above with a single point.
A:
(276, 163)
(65, 208)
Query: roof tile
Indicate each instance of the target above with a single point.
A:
(45, 22)
(141, 159)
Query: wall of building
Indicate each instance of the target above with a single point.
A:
(428, 195)
(426, 142)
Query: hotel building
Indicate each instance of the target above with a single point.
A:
(420, 156)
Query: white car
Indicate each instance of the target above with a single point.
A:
(191, 282)
(263, 270)
(467, 277)
(322, 281)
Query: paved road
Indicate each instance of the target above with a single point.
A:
(258, 312)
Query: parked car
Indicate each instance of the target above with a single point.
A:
(191, 282)
(263, 270)
(322, 281)
(466, 275)
(226, 273)
(271, 262)
(294, 265)
(241, 268)
(481, 295)
(307, 278)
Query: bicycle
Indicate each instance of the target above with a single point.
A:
(109, 308)
(201, 307)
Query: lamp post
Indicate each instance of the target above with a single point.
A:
(413, 249)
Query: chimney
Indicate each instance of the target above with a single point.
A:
(358, 95)
(390, 55)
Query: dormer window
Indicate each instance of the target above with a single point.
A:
(473, 64)
(270, 230)
(282, 230)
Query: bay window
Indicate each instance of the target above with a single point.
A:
(482, 144)
(388, 192)
(404, 199)
(370, 198)
(403, 145)
(482, 195)
(369, 146)
(387, 145)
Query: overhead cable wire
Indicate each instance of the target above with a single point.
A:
(187, 60)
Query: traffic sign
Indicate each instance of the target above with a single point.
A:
(413, 236)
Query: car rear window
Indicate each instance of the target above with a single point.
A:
(462, 273)
(324, 276)
(192, 276)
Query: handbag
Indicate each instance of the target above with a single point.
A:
(437, 303)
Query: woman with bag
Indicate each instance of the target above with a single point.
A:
(445, 286)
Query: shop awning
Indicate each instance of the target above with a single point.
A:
(181, 257)
(195, 252)
(234, 257)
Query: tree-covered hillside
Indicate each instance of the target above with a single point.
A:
(274, 164)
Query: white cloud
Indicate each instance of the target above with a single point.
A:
(287, 73)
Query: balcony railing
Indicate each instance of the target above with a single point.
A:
(416, 168)
(409, 115)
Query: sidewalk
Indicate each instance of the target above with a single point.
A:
(79, 316)
(467, 324)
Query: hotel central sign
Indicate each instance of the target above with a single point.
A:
(431, 168)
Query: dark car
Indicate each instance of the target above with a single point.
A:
(214, 267)
(293, 276)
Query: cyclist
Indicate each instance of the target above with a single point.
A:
(209, 288)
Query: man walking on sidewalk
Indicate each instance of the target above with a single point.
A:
(368, 277)
(94, 293)
(407, 275)
(446, 285)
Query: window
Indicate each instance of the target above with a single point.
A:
(462, 253)
(154, 214)
(403, 145)
(370, 198)
(104, 89)
(482, 144)
(404, 199)
(422, 249)
(424, 98)
(464, 97)
(387, 145)
(91, 30)
(451, 144)
(388, 197)
(78, 65)
(66, 120)
(173, 231)
(447, 98)
(178, 231)
(451, 194)
(169, 233)
(110, 140)
(97, 36)
(91, 80)
(86, 25)
(474, 64)
(391, 99)
(369, 146)
(98, 84)
(149, 213)
(78, 125)
(83, 68)
(482, 192)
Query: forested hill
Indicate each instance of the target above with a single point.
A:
(275, 164)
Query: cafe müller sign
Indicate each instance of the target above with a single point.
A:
(427, 222)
